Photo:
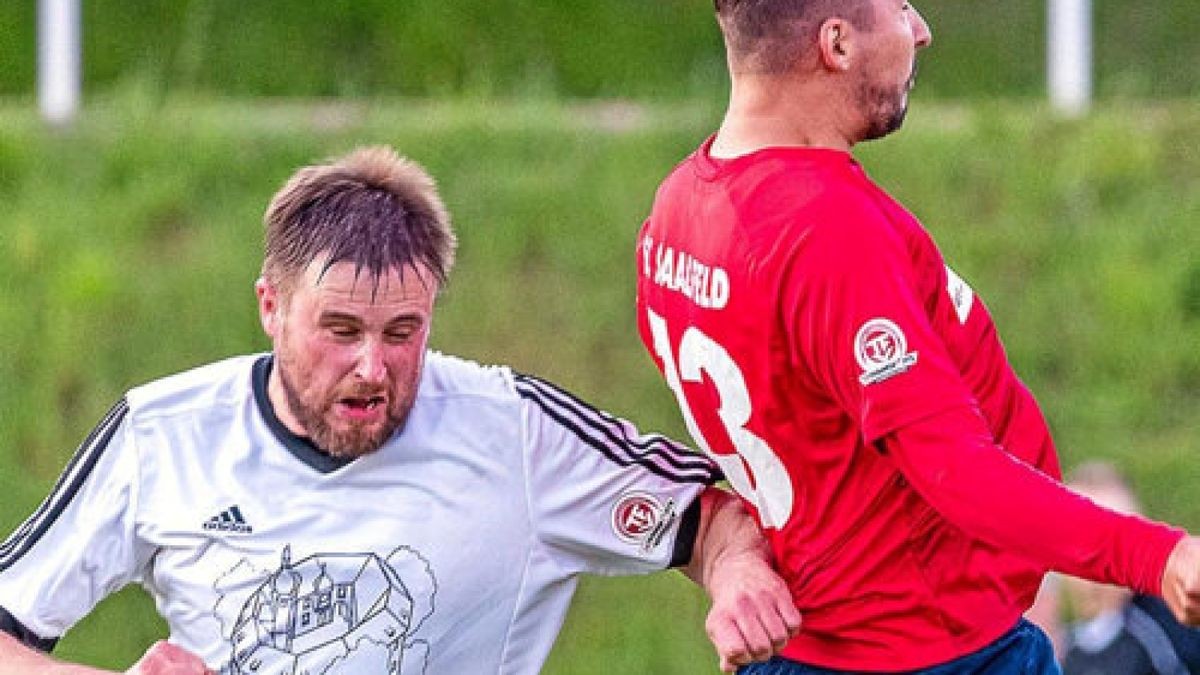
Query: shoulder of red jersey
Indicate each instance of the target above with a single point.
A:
(832, 219)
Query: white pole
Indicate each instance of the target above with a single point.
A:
(1069, 55)
(58, 60)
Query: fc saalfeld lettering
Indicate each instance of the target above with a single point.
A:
(679, 271)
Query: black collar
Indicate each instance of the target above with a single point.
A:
(301, 447)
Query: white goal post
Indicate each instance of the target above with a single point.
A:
(58, 60)
(1069, 55)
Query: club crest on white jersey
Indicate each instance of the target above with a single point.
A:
(640, 518)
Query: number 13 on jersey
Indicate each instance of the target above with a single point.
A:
(756, 473)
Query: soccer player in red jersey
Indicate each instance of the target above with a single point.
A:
(851, 385)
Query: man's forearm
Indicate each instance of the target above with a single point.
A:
(752, 615)
(162, 658)
(18, 659)
(726, 530)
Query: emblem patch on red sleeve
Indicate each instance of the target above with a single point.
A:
(882, 351)
(961, 295)
(640, 518)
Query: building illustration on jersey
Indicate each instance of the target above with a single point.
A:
(325, 613)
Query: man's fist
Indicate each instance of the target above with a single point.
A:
(752, 615)
(164, 658)
(1181, 581)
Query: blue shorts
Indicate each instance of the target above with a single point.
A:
(1024, 650)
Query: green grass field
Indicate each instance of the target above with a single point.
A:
(130, 244)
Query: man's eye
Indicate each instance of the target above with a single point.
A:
(342, 331)
(398, 336)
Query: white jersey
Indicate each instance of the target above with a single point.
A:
(453, 549)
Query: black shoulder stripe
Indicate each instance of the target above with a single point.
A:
(616, 434)
(618, 431)
(610, 434)
(10, 625)
(612, 437)
(65, 489)
(612, 428)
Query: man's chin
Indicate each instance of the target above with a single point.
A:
(887, 125)
(353, 443)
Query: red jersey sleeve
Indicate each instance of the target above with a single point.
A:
(952, 462)
(853, 303)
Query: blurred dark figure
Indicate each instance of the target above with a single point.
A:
(1118, 632)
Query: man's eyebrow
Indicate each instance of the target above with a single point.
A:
(334, 315)
(407, 317)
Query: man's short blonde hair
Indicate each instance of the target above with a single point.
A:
(371, 207)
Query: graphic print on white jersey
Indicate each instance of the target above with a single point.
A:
(615, 438)
(329, 612)
(69, 483)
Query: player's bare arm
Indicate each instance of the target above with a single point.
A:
(161, 659)
(752, 615)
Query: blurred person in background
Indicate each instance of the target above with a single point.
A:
(1115, 631)
(851, 385)
(353, 502)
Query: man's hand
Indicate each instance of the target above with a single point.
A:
(1181, 581)
(164, 658)
(752, 615)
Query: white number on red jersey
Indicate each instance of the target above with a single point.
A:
(767, 486)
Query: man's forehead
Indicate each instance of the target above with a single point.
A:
(349, 280)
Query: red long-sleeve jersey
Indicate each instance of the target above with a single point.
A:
(857, 395)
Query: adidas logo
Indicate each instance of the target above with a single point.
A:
(229, 520)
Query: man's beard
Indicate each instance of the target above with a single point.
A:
(347, 444)
(885, 109)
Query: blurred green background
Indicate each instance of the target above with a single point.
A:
(129, 243)
(616, 48)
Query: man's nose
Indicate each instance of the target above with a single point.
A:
(921, 33)
(370, 366)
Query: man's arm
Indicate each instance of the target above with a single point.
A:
(18, 659)
(161, 659)
(585, 463)
(70, 551)
(752, 615)
(952, 461)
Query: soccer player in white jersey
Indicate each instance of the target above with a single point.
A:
(354, 503)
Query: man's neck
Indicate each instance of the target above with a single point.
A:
(777, 112)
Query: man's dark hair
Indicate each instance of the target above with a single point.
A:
(371, 207)
(769, 36)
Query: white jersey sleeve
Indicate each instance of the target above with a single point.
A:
(605, 498)
(79, 545)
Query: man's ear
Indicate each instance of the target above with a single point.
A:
(269, 307)
(834, 43)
